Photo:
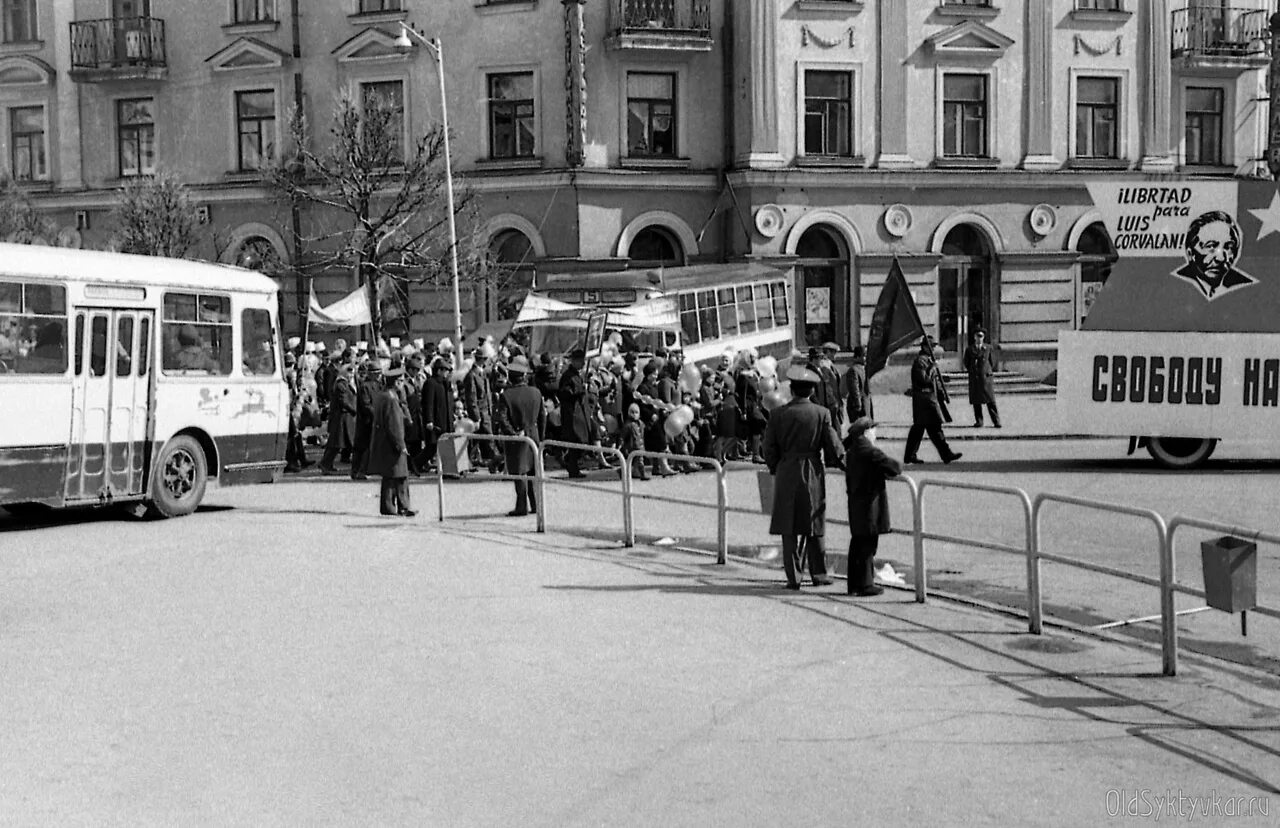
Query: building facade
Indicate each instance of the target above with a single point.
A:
(824, 137)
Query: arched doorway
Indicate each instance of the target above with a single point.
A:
(655, 246)
(1097, 255)
(822, 297)
(968, 297)
(511, 274)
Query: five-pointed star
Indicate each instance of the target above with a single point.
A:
(1269, 216)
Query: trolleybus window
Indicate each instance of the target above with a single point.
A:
(144, 346)
(33, 328)
(197, 334)
(124, 346)
(79, 343)
(257, 342)
(98, 348)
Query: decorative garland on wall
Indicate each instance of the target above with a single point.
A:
(807, 35)
(1082, 45)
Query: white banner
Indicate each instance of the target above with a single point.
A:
(349, 311)
(1170, 384)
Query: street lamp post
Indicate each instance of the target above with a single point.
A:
(404, 43)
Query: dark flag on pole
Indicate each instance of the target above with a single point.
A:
(895, 323)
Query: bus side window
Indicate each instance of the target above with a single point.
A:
(257, 342)
(124, 346)
(79, 344)
(33, 328)
(144, 346)
(98, 347)
(197, 334)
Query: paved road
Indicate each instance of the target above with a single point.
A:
(286, 657)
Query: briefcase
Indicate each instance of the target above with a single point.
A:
(766, 483)
(453, 456)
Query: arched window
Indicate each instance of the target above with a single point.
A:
(512, 271)
(822, 297)
(655, 247)
(258, 253)
(968, 298)
(1097, 255)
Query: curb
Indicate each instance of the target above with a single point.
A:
(969, 437)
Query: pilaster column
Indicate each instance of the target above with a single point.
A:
(895, 153)
(64, 120)
(762, 142)
(1039, 73)
(1157, 47)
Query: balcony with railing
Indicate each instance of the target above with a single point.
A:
(1220, 36)
(118, 48)
(660, 25)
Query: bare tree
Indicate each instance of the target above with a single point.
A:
(155, 217)
(20, 223)
(379, 207)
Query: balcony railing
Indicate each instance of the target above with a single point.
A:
(660, 24)
(118, 47)
(1219, 32)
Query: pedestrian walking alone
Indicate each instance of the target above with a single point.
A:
(388, 455)
(798, 438)
(980, 362)
(928, 407)
(866, 469)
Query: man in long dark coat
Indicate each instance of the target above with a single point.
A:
(477, 400)
(575, 411)
(342, 418)
(856, 390)
(830, 390)
(437, 410)
(388, 453)
(980, 362)
(521, 413)
(928, 396)
(866, 469)
(797, 440)
(369, 387)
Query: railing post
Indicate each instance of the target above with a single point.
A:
(539, 485)
(1035, 609)
(440, 487)
(1168, 604)
(917, 531)
(722, 514)
(628, 515)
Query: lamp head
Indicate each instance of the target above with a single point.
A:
(403, 43)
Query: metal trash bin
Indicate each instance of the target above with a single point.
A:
(1230, 573)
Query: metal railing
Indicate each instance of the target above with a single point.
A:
(657, 16)
(628, 529)
(722, 496)
(538, 477)
(1217, 31)
(117, 42)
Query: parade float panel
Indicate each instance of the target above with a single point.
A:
(1183, 341)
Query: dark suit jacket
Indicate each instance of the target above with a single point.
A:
(797, 439)
(437, 409)
(388, 455)
(927, 392)
(520, 411)
(980, 362)
(575, 411)
(342, 413)
(476, 400)
(866, 468)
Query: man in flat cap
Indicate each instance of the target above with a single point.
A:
(521, 414)
(575, 411)
(829, 394)
(866, 469)
(388, 455)
(797, 439)
(928, 400)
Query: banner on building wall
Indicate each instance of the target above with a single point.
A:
(349, 311)
(895, 322)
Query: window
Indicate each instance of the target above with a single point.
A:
(255, 129)
(964, 112)
(124, 346)
(1100, 5)
(197, 334)
(1204, 125)
(136, 136)
(778, 292)
(258, 343)
(253, 11)
(19, 21)
(26, 143)
(651, 114)
(966, 2)
(382, 103)
(828, 113)
(689, 319)
(33, 329)
(372, 6)
(1097, 115)
(511, 115)
(746, 310)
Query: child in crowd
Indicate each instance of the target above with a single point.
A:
(632, 439)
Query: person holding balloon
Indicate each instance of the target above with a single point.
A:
(797, 440)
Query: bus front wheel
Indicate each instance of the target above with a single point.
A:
(178, 484)
(1180, 452)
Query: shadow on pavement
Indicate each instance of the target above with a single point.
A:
(48, 518)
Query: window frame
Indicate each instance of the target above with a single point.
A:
(225, 356)
(677, 125)
(244, 343)
(266, 12)
(24, 311)
(120, 129)
(1123, 112)
(487, 75)
(382, 6)
(237, 147)
(42, 146)
(988, 119)
(856, 122)
(1100, 5)
(32, 11)
(1226, 151)
(379, 80)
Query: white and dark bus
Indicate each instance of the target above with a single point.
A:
(135, 380)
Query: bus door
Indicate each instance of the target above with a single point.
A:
(110, 421)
